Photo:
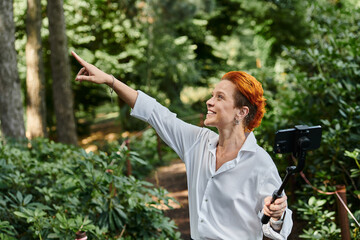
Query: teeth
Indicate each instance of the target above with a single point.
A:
(210, 112)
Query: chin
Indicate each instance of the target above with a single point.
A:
(208, 123)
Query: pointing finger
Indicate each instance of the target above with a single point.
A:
(79, 59)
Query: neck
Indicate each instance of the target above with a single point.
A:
(231, 139)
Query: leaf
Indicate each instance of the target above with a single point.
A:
(117, 221)
(111, 220)
(120, 212)
(342, 113)
(53, 235)
(312, 200)
(27, 199)
(30, 219)
(138, 160)
(60, 217)
(20, 214)
(19, 196)
(39, 213)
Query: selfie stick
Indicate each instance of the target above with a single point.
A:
(301, 144)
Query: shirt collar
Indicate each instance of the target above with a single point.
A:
(249, 144)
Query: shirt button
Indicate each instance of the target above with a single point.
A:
(206, 200)
(202, 220)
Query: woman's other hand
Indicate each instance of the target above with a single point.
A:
(91, 73)
(275, 210)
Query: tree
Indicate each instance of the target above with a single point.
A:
(35, 80)
(11, 109)
(62, 93)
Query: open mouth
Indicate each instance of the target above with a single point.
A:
(209, 112)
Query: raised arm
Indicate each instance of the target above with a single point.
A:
(90, 73)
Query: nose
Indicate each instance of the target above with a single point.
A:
(210, 102)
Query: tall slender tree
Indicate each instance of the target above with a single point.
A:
(35, 80)
(11, 108)
(60, 67)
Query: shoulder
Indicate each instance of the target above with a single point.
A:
(208, 137)
(262, 154)
(264, 162)
(259, 154)
(264, 158)
(205, 139)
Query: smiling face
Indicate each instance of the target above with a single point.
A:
(221, 106)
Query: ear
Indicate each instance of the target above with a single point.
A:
(242, 112)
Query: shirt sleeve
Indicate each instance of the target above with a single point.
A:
(285, 230)
(177, 134)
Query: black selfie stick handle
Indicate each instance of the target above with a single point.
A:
(265, 218)
(278, 193)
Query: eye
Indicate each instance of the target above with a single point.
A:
(220, 96)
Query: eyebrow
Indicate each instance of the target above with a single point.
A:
(217, 92)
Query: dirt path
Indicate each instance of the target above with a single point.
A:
(173, 179)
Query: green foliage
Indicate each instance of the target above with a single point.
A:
(320, 220)
(145, 144)
(325, 86)
(272, 20)
(50, 190)
(355, 171)
(322, 88)
(148, 145)
(7, 231)
(309, 58)
(150, 45)
(146, 44)
(353, 225)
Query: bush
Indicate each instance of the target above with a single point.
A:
(51, 190)
(321, 221)
(323, 88)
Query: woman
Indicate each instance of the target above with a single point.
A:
(230, 178)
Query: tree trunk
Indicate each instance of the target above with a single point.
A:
(11, 108)
(60, 67)
(35, 80)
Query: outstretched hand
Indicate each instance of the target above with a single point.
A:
(91, 73)
(275, 210)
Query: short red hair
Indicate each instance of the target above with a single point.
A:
(249, 93)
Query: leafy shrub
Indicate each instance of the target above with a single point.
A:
(49, 190)
(321, 87)
(153, 149)
(143, 145)
(320, 220)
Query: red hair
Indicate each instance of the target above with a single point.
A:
(249, 93)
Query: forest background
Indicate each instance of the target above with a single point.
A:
(305, 53)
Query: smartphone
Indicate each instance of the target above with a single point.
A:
(286, 140)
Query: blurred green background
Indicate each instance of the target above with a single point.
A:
(304, 52)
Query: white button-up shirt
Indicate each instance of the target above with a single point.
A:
(224, 203)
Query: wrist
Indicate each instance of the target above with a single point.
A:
(109, 80)
(276, 223)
